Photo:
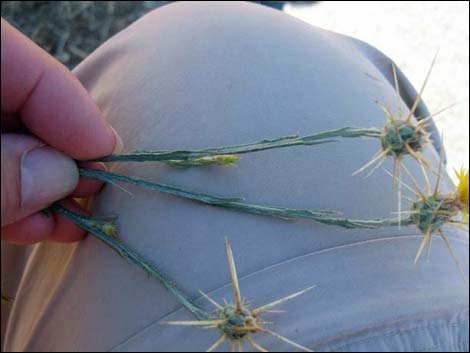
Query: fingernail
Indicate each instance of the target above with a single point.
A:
(118, 144)
(46, 176)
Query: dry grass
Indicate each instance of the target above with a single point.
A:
(70, 30)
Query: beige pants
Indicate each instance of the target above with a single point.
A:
(195, 75)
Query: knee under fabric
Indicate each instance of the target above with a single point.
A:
(197, 75)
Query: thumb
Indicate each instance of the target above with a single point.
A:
(34, 175)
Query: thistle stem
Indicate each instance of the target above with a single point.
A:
(325, 217)
(88, 224)
(287, 141)
(111, 178)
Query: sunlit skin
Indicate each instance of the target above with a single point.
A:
(237, 323)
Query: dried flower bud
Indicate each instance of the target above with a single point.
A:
(224, 159)
(106, 225)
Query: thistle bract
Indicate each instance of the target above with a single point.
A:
(236, 325)
(398, 136)
(433, 212)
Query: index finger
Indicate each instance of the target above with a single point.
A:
(49, 99)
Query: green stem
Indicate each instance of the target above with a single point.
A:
(90, 225)
(175, 157)
(111, 178)
(324, 217)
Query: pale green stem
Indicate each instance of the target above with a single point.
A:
(287, 141)
(321, 216)
(90, 224)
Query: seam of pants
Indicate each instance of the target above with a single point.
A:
(398, 332)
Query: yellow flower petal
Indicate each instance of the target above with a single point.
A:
(462, 189)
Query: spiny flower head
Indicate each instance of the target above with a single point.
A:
(432, 212)
(401, 138)
(238, 323)
(402, 135)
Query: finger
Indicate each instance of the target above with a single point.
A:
(32, 176)
(50, 100)
(39, 227)
(87, 187)
(65, 231)
(29, 230)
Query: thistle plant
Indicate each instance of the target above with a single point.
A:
(431, 210)
(403, 136)
(107, 233)
(236, 323)
(230, 154)
(400, 137)
(236, 203)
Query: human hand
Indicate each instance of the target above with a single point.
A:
(47, 120)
